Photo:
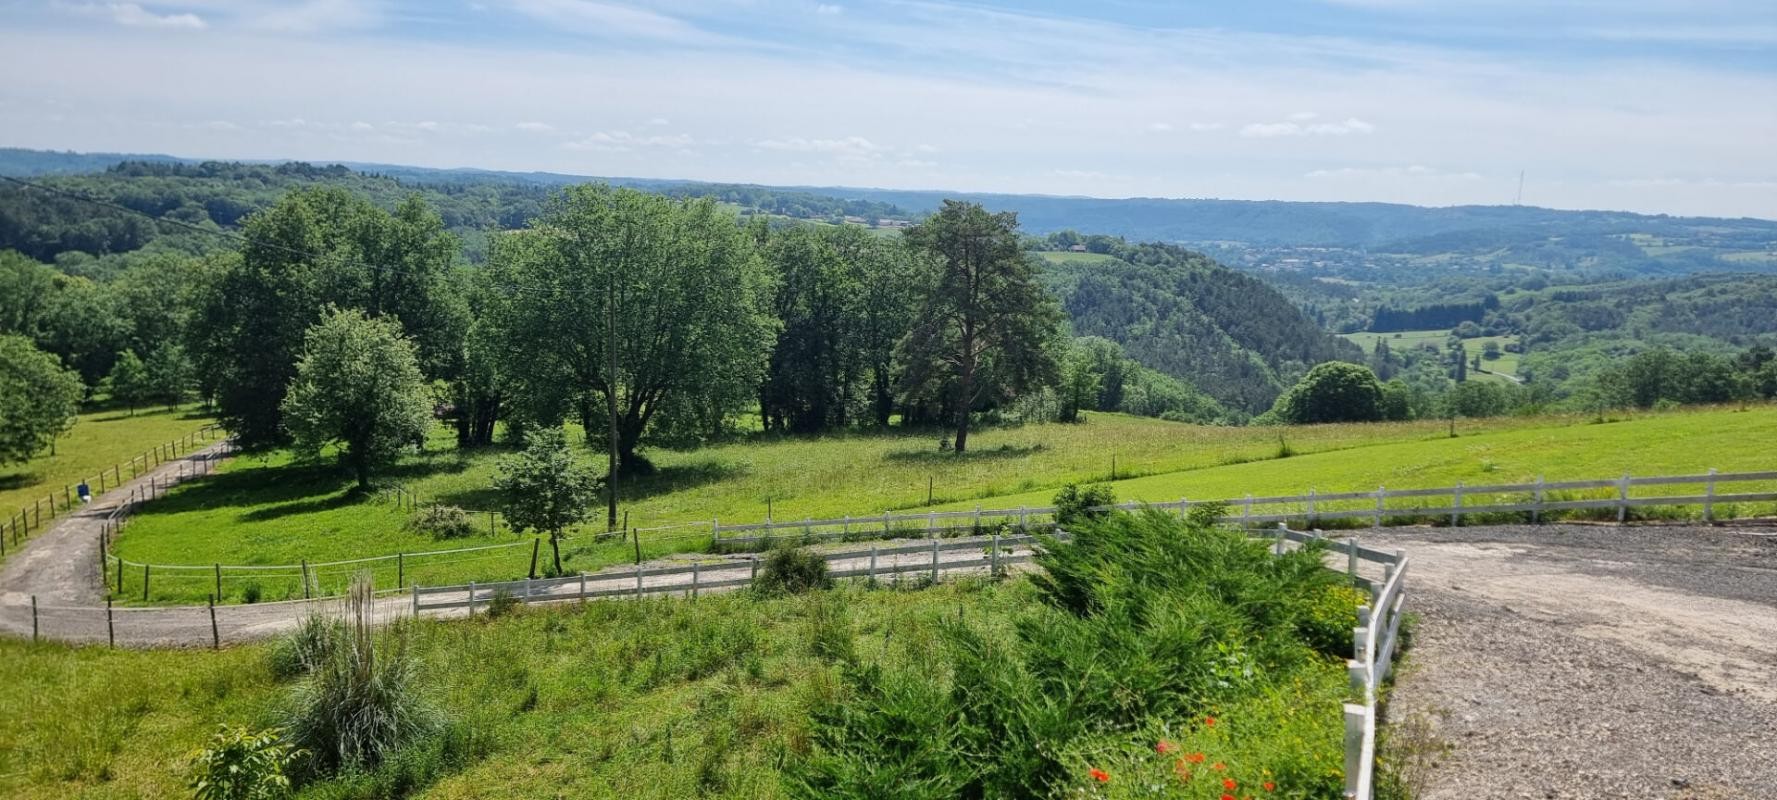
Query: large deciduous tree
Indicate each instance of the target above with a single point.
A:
(672, 294)
(128, 382)
(545, 489)
(319, 247)
(357, 385)
(38, 399)
(984, 325)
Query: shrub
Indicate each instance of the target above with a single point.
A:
(362, 702)
(792, 570)
(240, 764)
(251, 592)
(1329, 617)
(442, 522)
(1076, 504)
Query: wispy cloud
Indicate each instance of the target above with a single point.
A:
(619, 141)
(1296, 127)
(135, 16)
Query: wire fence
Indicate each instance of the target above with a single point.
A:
(44, 511)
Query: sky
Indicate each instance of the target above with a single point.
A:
(1642, 105)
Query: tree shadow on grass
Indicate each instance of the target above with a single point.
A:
(273, 491)
(936, 457)
(665, 480)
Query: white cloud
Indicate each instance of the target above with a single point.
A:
(850, 146)
(618, 141)
(535, 127)
(1412, 171)
(1159, 127)
(612, 20)
(828, 10)
(1266, 130)
(135, 16)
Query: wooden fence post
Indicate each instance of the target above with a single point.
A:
(638, 581)
(33, 618)
(1623, 499)
(1709, 498)
(535, 545)
(110, 629)
(1536, 515)
(144, 583)
(305, 579)
(119, 574)
(215, 633)
(694, 579)
(755, 576)
(993, 565)
(218, 580)
(872, 563)
(1456, 506)
(492, 530)
(582, 586)
(400, 570)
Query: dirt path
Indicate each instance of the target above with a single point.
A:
(61, 565)
(1591, 662)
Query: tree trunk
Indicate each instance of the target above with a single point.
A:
(360, 466)
(555, 550)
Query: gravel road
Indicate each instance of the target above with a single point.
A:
(1570, 661)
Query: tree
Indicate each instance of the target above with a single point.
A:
(1490, 351)
(320, 247)
(813, 365)
(169, 374)
(672, 294)
(128, 381)
(545, 489)
(358, 385)
(38, 399)
(984, 323)
(1332, 392)
(1079, 384)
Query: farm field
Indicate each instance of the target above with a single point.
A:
(266, 510)
(1069, 257)
(1680, 443)
(1506, 364)
(99, 441)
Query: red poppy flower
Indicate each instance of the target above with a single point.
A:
(1228, 783)
(1195, 758)
(1210, 721)
(1218, 766)
(1269, 786)
(1227, 797)
(1100, 775)
(1163, 747)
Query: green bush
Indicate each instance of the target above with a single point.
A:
(240, 764)
(1078, 504)
(442, 522)
(1144, 621)
(251, 592)
(362, 703)
(501, 604)
(1329, 619)
(792, 570)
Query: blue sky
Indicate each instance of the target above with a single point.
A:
(1633, 104)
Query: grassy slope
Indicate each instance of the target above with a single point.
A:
(269, 511)
(1685, 442)
(659, 699)
(99, 441)
(1506, 364)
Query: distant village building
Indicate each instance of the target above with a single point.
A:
(1078, 248)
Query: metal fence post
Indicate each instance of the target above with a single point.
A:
(1623, 499)
(1709, 498)
(33, 618)
(110, 630)
(215, 633)
(472, 598)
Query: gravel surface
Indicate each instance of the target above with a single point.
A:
(1570, 661)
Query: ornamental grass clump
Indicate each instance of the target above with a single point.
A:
(362, 702)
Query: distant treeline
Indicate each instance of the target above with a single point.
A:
(1432, 317)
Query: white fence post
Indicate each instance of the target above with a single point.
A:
(582, 586)
(1623, 499)
(1354, 747)
(416, 599)
(934, 561)
(1709, 498)
(472, 598)
(1311, 505)
(977, 526)
(755, 576)
(993, 568)
(1246, 515)
(932, 523)
(715, 527)
(885, 525)
(873, 563)
(846, 529)
(1351, 557)
(1456, 506)
(694, 572)
(1381, 495)
(638, 581)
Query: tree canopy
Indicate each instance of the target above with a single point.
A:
(1332, 392)
(38, 399)
(358, 385)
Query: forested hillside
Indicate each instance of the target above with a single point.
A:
(1229, 334)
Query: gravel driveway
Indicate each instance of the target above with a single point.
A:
(1570, 661)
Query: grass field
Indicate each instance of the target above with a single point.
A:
(671, 698)
(1506, 364)
(99, 441)
(1069, 257)
(268, 510)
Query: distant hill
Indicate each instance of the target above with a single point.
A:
(1229, 334)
